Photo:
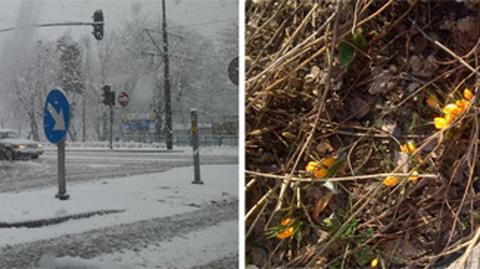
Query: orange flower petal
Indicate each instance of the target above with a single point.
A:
(463, 104)
(440, 123)
(320, 173)
(286, 221)
(467, 94)
(390, 181)
(328, 161)
(285, 234)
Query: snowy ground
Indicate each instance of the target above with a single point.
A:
(162, 221)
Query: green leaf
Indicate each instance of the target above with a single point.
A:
(346, 53)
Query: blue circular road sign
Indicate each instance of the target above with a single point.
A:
(56, 116)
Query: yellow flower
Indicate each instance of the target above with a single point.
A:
(390, 181)
(311, 166)
(440, 123)
(320, 173)
(432, 101)
(413, 176)
(374, 263)
(450, 109)
(411, 147)
(328, 162)
(467, 94)
(320, 169)
(408, 148)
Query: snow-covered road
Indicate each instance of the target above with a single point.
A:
(163, 221)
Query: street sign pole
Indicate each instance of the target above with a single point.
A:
(111, 126)
(62, 187)
(55, 124)
(196, 153)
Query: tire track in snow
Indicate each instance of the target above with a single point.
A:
(131, 236)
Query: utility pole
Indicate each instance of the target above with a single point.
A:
(168, 108)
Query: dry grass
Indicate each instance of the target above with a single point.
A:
(304, 103)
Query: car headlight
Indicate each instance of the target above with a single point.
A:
(39, 145)
(20, 146)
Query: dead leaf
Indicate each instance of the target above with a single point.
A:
(321, 204)
(324, 147)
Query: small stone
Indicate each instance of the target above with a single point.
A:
(430, 64)
(413, 86)
(415, 63)
(383, 83)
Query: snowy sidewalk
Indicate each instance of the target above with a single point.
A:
(151, 199)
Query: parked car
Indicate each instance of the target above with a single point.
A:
(13, 147)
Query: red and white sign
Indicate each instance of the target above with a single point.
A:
(123, 99)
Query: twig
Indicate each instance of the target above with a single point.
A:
(261, 201)
(338, 179)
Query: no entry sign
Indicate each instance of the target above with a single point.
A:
(123, 99)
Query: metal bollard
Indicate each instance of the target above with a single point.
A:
(196, 153)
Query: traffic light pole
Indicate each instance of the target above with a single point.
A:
(168, 107)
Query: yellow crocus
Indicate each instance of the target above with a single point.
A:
(467, 94)
(390, 181)
(450, 109)
(328, 161)
(440, 123)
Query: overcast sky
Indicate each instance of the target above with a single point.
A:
(204, 16)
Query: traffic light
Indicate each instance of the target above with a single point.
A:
(106, 95)
(98, 26)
